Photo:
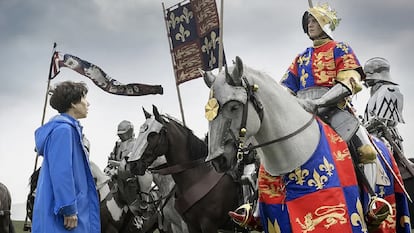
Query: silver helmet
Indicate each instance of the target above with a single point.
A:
(325, 16)
(377, 69)
(124, 126)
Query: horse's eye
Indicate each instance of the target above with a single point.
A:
(151, 136)
(231, 109)
(143, 128)
(234, 108)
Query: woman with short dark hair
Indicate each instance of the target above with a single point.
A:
(66, 197)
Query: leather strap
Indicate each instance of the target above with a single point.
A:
(194, 193)
(164, 169)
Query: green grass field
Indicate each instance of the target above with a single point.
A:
(18, 226)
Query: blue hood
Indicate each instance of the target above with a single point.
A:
(43, 132)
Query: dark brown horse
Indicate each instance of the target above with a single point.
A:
(6, 225)
(204, 196)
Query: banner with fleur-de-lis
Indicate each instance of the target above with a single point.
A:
(193, 30)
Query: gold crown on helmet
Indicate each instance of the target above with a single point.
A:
(325, 15)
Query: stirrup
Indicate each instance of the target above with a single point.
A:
(377, 214)
(372, 208)
(246, 218)
(243, 218)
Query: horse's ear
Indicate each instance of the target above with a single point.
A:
(229, 79)
(235, 78)
(237, 71)
(156, 113)
(147, 114)
(208, 78)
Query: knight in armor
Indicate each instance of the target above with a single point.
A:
(122, 149)
(324, 78)
(123, 146)
(384, 109)
(386, 101)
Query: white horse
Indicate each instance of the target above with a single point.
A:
(307, 181)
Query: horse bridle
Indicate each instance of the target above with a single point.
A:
(162, 136)
(165, 169)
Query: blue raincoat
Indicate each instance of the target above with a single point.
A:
(65, 186)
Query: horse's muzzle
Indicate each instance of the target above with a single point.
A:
(137, 167)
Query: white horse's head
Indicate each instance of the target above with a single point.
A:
(246, 103)
(227, 110)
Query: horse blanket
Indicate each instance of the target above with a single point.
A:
(323, 195)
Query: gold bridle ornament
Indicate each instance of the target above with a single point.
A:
(211, 109)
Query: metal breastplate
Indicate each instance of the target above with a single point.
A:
(123, 149)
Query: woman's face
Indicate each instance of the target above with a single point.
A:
(314, 30)
(80, 109)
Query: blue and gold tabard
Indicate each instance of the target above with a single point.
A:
(322, 195)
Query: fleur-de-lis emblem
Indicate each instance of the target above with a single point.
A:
(357, 219)
(182, 34)
(318, 181)
(206, 46)
(343, 47)
(186, 16)
(303, 60)
(273, 227)
(303, 77)
(326, 166)
(173, 20)
(299, 175)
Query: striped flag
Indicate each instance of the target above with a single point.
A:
(99, 77)
(55, 65)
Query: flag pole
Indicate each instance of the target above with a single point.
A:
(46, 95)
(48, 84)
(221, 36)
(172, 59)
(310, 3)
(26, 226)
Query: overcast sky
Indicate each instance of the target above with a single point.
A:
(128, 40)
